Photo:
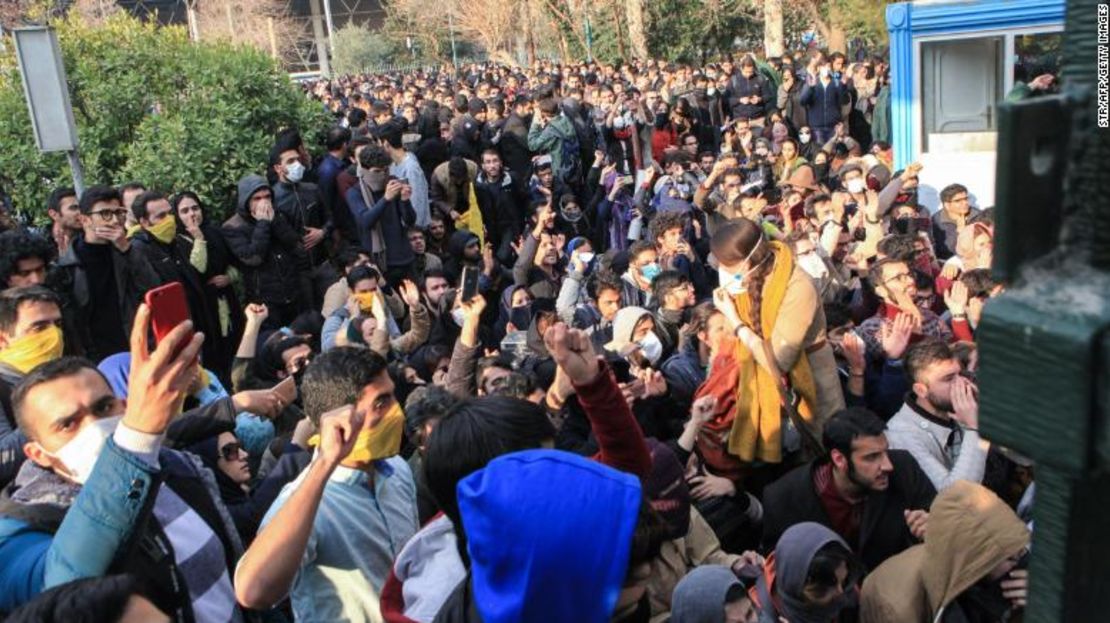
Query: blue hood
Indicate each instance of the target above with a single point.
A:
(549, 535)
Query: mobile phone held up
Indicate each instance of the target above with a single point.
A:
(168, 308)
(468, 283)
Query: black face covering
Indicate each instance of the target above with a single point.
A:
(821, 170)
(521, 317)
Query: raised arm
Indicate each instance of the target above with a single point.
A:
(619, 436)
(266, 571)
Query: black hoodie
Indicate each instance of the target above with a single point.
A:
(264, 250)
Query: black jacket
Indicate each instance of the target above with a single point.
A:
(133, 277)
(514, 146)
(739, 87)
(264, 249)
(503, 204)
(171, 262)
(303, 206)
(883, 531)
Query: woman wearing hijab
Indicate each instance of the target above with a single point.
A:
(809, 578)
(712, 594)
(211, 257)
(775, 312)
(228, 460)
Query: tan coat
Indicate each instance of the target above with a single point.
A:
(800, 328)
(441, 192)
(677, 557)
(970, 532)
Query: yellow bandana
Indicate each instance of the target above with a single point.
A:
(27, 352)
(164, 230)
(366, 300)
(380, 442)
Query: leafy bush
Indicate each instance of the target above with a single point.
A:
(358, 49)
(151, 106)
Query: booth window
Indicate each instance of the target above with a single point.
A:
(962, 82)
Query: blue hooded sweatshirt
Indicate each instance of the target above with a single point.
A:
(549, 535)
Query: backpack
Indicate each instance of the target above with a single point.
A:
(570, 159)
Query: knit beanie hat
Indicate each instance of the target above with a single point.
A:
(666, 490)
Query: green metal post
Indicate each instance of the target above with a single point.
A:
(1045, 344)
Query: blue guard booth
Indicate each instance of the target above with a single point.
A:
(951, 63)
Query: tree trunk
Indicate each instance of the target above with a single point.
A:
(836, 39)
(637, 34)
(619, 31)
(531, 35)
(772, 28)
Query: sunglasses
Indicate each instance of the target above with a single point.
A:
(230, 452)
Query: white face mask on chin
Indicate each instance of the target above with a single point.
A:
(80, 453)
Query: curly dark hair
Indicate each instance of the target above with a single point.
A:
(664, 222)
(17, 245)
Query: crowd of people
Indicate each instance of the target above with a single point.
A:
(570, 343)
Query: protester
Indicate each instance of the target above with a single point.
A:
(811, 576)
(83, 445)
(100, 276)
(970, 568)
(939, 423)
(329, 537)
(876, 499)
(685, 271)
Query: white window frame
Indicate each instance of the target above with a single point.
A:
(1007, 35)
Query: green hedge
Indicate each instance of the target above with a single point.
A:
(152, 107)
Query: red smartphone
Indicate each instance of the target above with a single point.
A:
(168, 308)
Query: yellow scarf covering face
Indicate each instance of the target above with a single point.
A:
(27, 352)
(471, 220)
(756, 433)
(380, 442)
(164, 230)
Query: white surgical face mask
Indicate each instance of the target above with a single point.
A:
(711, 91)
(651, 348)
(733, 284)
(855, 186)
(80, 453)
(586, 257)
(294, 172)
(804, 138)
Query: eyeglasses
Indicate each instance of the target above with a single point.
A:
(899, 277)
(110, 215)
(230, 451)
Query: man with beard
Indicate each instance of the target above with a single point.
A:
(382, 211)
(898, 314)
(875, 498)
(939, 424)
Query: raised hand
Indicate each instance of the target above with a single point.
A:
(854, 349)
(264, 403)
(896, 335)
(474, 307)
(965, 403)
(159, 381)
(703, 410)
(956, 298)
(573, 352)
(393, 189)
(256, 313)
(338, 431)
(722, 300)
(410, 294)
